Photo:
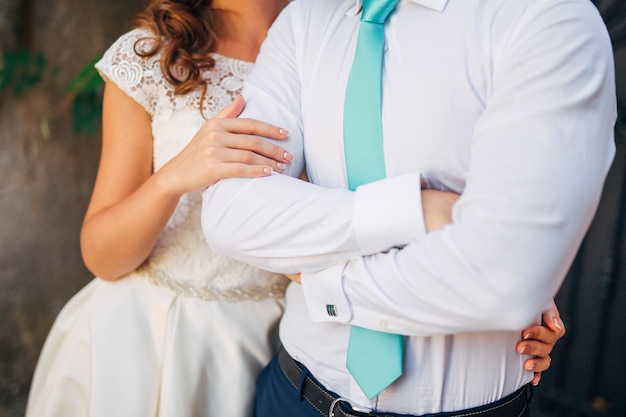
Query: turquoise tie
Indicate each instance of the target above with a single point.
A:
(374, 358)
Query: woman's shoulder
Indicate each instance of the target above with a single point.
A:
(127, 65)
(128, 50)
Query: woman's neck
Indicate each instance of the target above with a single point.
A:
(245, 25)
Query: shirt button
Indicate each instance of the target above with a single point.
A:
(383, 324)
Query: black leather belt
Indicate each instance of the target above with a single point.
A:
(329, 405)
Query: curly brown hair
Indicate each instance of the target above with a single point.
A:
(186, 32)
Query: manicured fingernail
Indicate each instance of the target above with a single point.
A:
(557, 323)
(527, 336)
(535, 383)
(267, 170)
(287, 156)
(530, 367)
(523, 349)
(283, 132)
(280, 166)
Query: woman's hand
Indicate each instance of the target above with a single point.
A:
(294, 277)
(538, 341)
(226, 147)
(131, 205)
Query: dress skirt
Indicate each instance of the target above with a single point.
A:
(130, 348)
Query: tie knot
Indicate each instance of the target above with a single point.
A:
(377, 11)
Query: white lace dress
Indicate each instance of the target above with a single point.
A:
(187, 333)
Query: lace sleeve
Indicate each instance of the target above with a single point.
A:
(135, 75)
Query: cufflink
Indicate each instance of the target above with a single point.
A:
(331, 310)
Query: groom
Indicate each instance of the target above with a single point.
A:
(510, 104)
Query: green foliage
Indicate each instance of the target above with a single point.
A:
(86, 111)
(21, 70)
(86, 92)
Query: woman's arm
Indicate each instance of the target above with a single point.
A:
(130, 205)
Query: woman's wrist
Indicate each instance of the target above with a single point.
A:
(164, 187)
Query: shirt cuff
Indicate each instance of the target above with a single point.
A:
(324, 295)
(388, 213)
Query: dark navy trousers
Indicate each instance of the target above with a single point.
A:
(276, 396)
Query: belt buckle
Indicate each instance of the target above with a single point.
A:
(331, 411)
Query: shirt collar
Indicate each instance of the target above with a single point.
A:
(437, 5)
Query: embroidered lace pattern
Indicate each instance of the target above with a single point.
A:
(181, 259)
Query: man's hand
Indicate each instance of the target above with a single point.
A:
(437, 208)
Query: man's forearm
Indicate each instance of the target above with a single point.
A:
(286, 225)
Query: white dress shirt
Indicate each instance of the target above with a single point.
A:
(509, 102)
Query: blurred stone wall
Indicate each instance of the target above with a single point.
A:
(45, 183)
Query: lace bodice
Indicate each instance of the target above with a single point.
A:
(181, 259)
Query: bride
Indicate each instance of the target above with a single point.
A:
(168, 328)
